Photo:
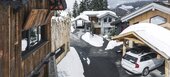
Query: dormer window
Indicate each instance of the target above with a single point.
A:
(105, 19)
(158, 20)
(110, 19)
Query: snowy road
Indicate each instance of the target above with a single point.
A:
(98, 62)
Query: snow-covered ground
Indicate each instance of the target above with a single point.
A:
(72, 28)
(71, 65)
(94, 40)
(113, 44)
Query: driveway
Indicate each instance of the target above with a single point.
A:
(98, 62)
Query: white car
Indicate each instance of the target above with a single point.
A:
(141, 61)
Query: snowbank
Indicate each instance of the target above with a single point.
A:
(24, 44)
(125, 7)
(100, 13)
(72, 29)
(95, 40)
(113, 44)
(71, 65)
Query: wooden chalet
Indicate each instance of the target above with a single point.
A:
(26, 43)
(156, 13)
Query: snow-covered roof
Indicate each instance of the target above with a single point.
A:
(99, 13)
(152, 35)
(149, 7)
(82, 17)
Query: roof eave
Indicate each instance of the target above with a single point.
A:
(100, 16)
(151, 6)
(138, 12)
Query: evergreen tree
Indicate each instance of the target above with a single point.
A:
(105, 5)
(87, 4)
(99, 4)
(82, 7)
(75, 9)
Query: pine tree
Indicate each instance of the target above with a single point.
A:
(82, 7)
(87, 4)
(75, 9)
(99, 4)
(105, 5)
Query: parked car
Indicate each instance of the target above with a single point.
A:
(141, 61)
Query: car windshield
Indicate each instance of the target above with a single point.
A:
(130, 58)
(135, 51)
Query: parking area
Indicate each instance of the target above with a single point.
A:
(158, 72)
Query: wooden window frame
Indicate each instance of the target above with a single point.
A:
(31, 49)
(110, 19)
(158, 16)
(105, 20)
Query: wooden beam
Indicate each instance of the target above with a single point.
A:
(134, 40)
(122, 36)
(167, 68)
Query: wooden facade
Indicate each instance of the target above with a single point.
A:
(144, 15)
(133, 39)
(145, 18)
(18, 16)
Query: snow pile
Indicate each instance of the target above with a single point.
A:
(58, 19)
(88, 61)
(24, 44)
(71, 65)
(125, 7)
(83, 17)
(113, 44)
(155, 35)
(105, 36)
(72, 29)
(100, 13)
(63, 13)
(94, 40)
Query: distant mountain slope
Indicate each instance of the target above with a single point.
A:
(126, 8)
(114, 3)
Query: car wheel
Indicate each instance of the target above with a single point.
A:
(145, 71)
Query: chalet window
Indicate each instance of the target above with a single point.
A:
(158, 20)
(35, 36)
(110, 19)
(105, 19)
(32, 37)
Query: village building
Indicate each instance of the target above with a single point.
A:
(140, 32)
(32, 43)
(156, 13)
(99, 20)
